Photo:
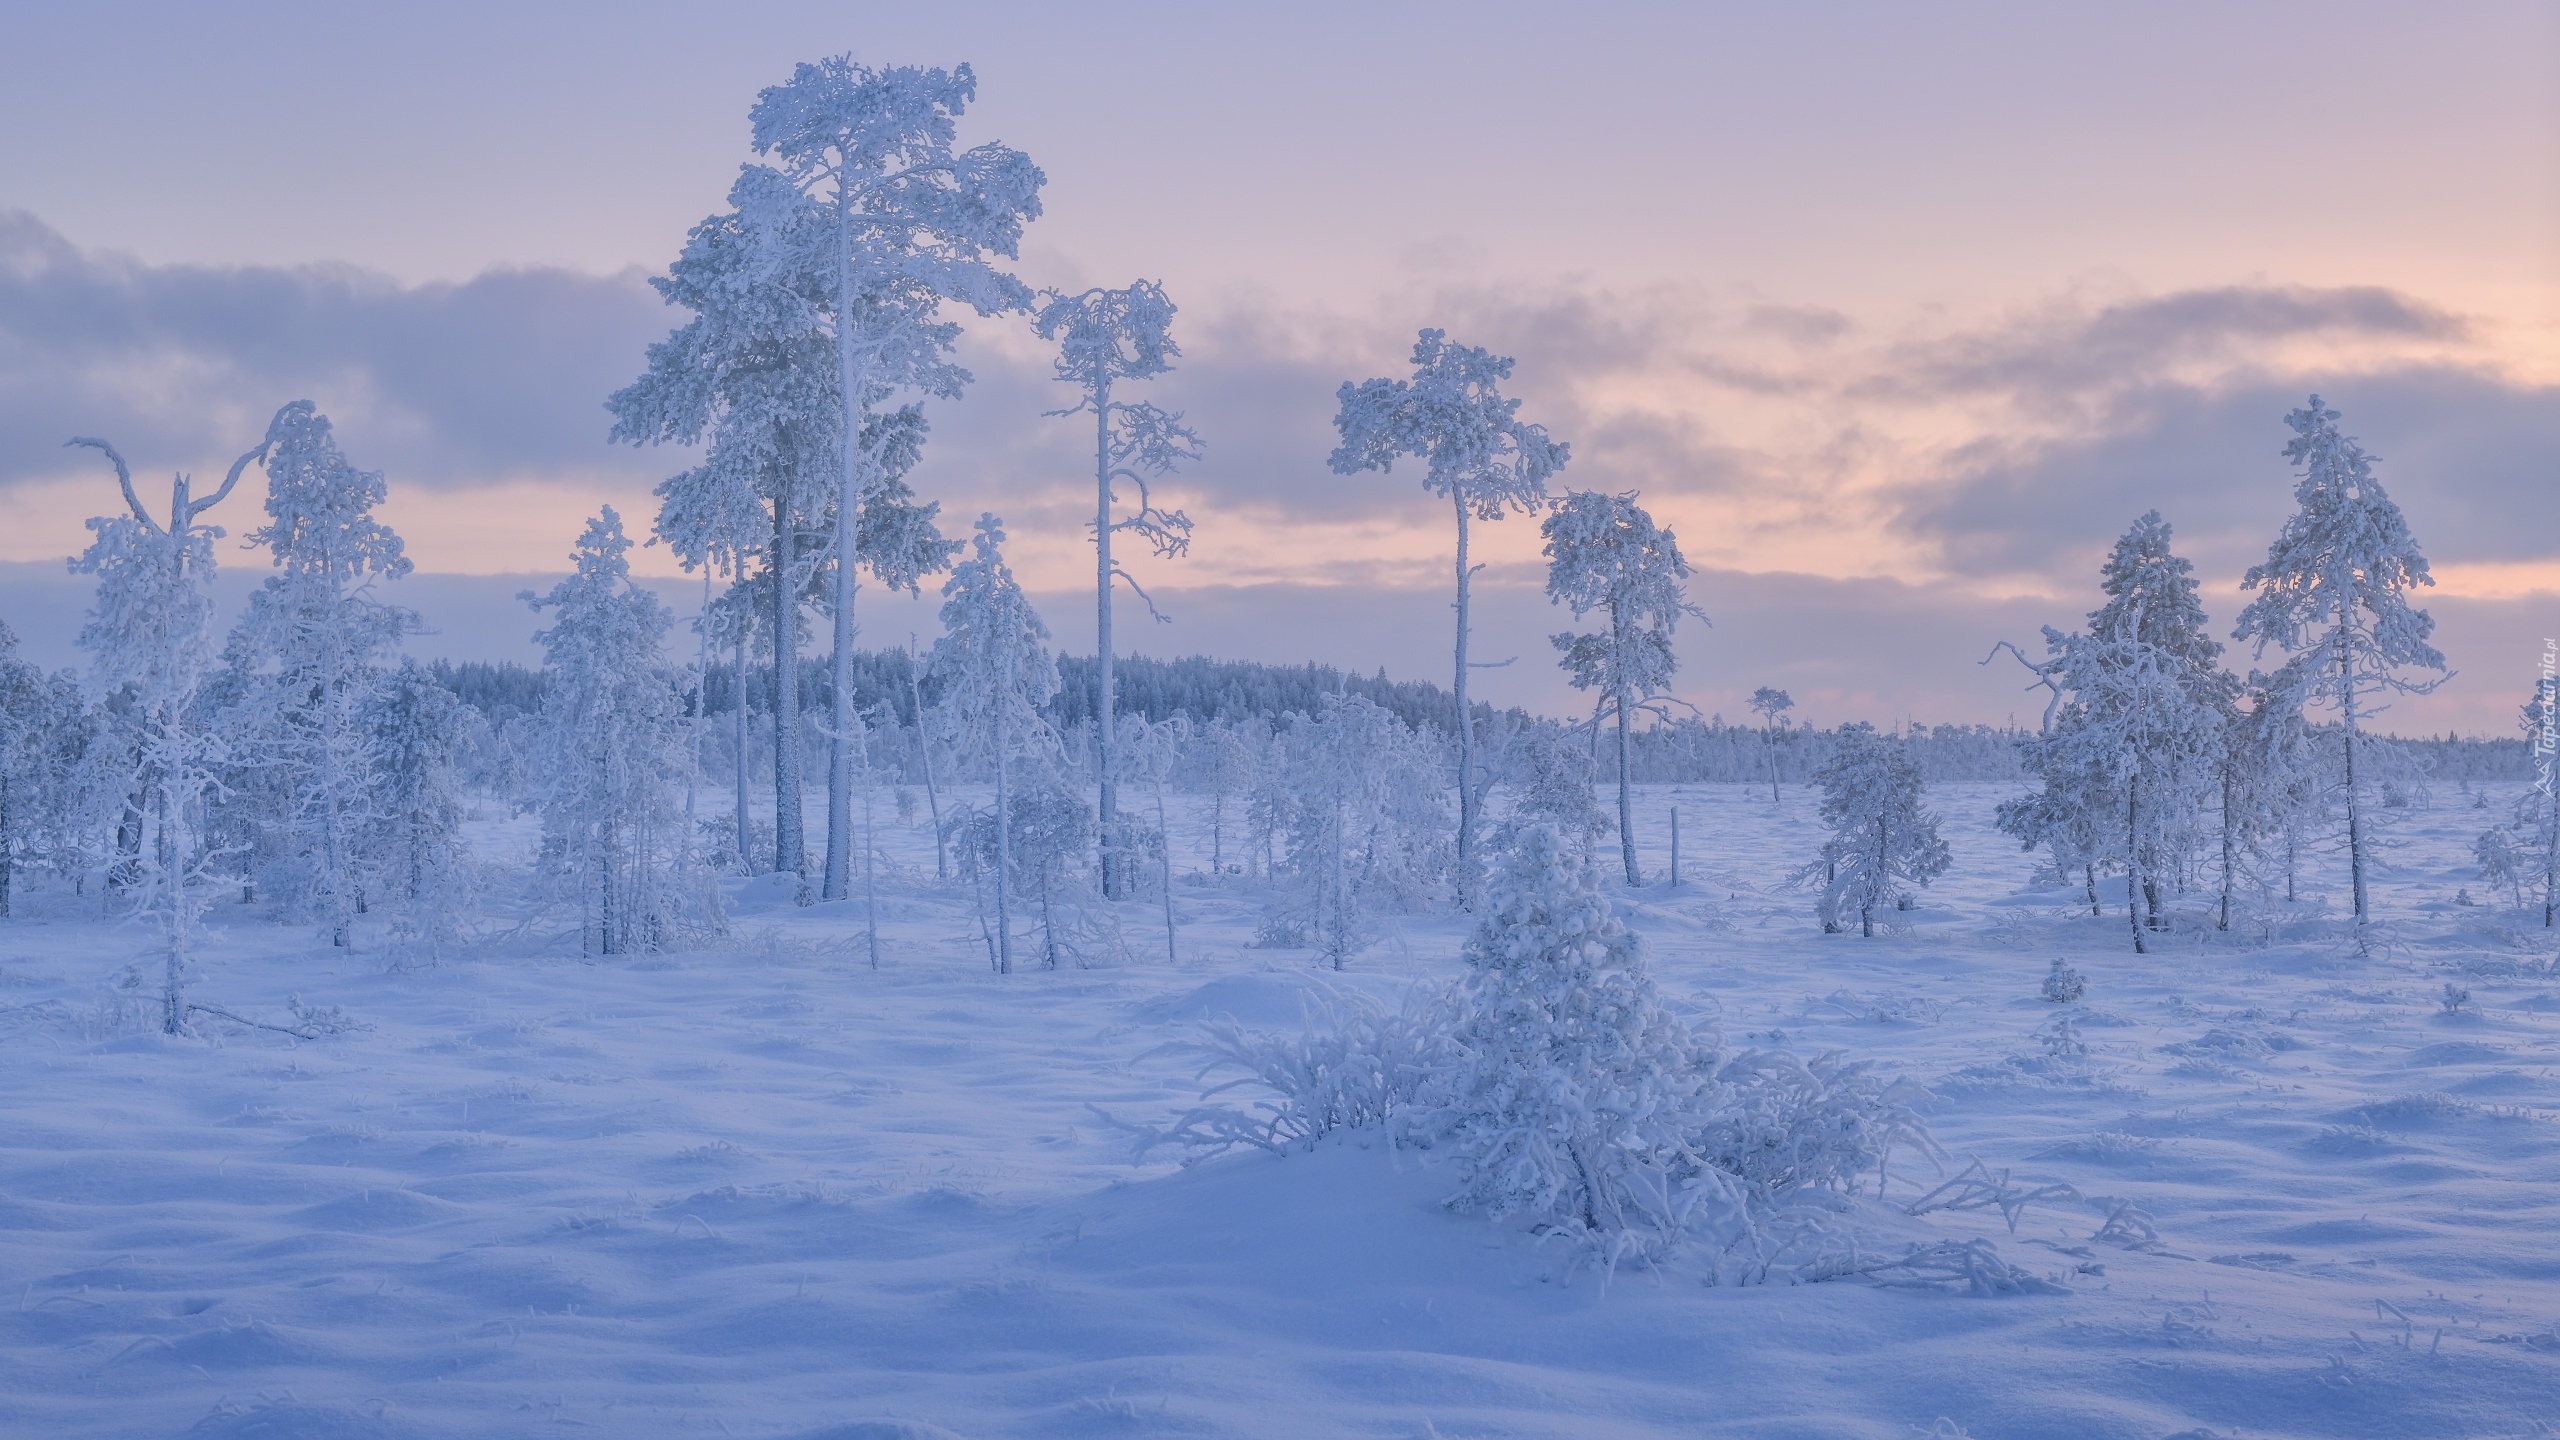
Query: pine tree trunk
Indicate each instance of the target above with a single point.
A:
(2230, 857)
(2089, 878)
(1772, 733)
(2550, 856)
(870, 881)
(8, 849)
(788, 853)
(1626, 800)
(1164, 829)
(848, 578)
(924, 754)
(2133, 864)
(2355, 810)
(1004, 862)
(1466, 725)
(746, 826)
(842, 720)
(1105, 703)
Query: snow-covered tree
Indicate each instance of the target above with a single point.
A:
(1569, 1092)
(2131, 758)
(44, 735)
(1476, 452)
(612, 742)
(311, 647)
(996, 673)
(2335, 586)
(149, 633)
(905, 222)
(1360, 818)
(1156, 750)
(1604, 553)
(415, 726)
(1769, 703)
(1104, 338)
(1882, 843)
(2283, 778)
(2526, 852)
(753, 373)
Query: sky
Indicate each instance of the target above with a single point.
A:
(1896, 315)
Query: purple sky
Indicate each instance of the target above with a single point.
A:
(1897, 315)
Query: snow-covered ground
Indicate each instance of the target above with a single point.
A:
(764, 1190)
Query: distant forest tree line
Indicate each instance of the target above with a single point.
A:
(1683, 750)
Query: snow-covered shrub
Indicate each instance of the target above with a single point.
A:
(1563, 1090)
(1785, 1125)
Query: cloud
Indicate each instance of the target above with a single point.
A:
(1958, 463)
(180, 365)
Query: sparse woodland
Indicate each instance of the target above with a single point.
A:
(2211, 778)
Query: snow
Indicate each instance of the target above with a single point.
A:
(762, 1190)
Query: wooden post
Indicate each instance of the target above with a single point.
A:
(1675, 847)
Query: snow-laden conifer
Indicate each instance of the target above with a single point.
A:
(1604, 553)
(1569, 1092)
(414, 824)
(45, 733)
(904, 222)
(2335, 589)
(1104, 338)
(2131, 758)
(752, 378)
(1883, 845)
(1479, 454)
(149, 635)
(612, 743)
(1550, 784)
(996, 673)
(311, 644)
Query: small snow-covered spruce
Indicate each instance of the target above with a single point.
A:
(311, 646)
(996, 672)
(1770, 703)
(2334, 593)
(1453, 416)
(1105, 337)
(1605, 553)
(1569, 1093)
(889, 221)
(149, 634)
(2063, 985)
(612, 741)
(1550, 784)
(1882, 843)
